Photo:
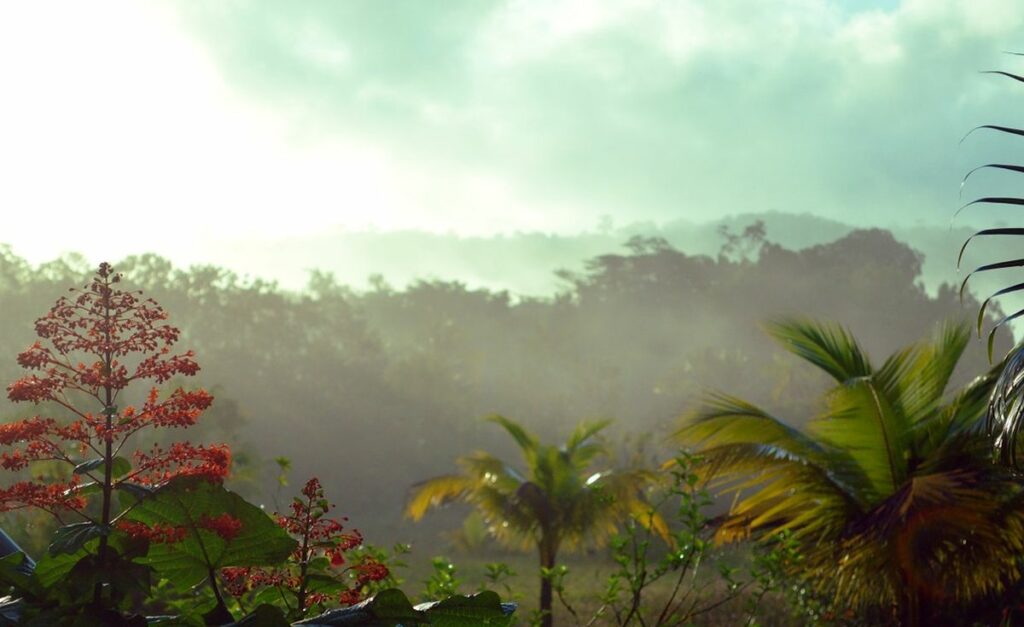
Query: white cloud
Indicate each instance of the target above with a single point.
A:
(122, 130)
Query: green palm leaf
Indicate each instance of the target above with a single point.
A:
(829, 347)
(863, 422)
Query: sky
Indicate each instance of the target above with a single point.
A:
(186, 128)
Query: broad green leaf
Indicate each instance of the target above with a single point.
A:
(392, 605)
(184, 503)
(71, 538)
(483, 608)
(53, 568)
(264, 615)
(12, 573)
(389, 608)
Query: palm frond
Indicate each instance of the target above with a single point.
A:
(964, 414)
(436, 492)
(1006, 407)
(724, 419)
(488, 469)
(863, 421)
(942, 532)
(786, 496)
(916, 378)
(584, 431)
(527, 442)
(581, 447)
(827, 346)
(1000, 404)
(606, 499)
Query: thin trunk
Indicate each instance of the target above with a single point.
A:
(305, 554)
(547, 551)
(912, 608)
(108, 455)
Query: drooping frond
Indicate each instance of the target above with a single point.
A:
(1005, 231)
(827, 346)
(783, 492)
(607, 498)
(627, 487)
(1006, 407)
(436, 492)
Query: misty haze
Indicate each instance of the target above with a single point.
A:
(513, 313)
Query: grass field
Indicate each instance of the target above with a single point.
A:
(587, 581)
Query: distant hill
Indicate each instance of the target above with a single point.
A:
(524, 263)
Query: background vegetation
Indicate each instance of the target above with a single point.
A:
(374, 389)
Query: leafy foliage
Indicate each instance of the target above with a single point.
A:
(889, 491)
(321, 565)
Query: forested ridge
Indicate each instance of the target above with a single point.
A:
(374, 389)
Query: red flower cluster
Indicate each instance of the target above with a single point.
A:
(92, 345)
(179, 460)
(156, 534)
(53, 498)
(225, 525)
(318, 537)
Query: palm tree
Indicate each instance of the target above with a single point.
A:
(560, 501)
(890, 490)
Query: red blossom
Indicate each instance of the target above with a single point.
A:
(318, 536)
(157, 533)
(180, 460)
(93, 344)
(53, 497)
(226, 526)
(24, 430)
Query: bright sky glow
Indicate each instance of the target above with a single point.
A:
(179, 127)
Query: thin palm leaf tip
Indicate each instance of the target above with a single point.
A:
(1005, 410)
(890, 489)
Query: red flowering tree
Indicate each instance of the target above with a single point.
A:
(319, 571)
(93, 345)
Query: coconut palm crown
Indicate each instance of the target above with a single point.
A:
(890, 489)
(560, 501)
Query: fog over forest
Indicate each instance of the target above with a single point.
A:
(375, 388)
(521, 262)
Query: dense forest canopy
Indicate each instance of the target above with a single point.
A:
(349, 383)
